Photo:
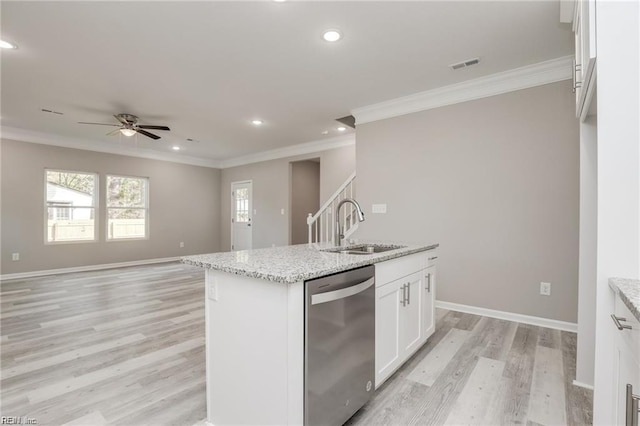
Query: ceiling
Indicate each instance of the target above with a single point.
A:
(206, 69)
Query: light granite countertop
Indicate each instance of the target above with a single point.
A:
(290, 264)
(629, 292)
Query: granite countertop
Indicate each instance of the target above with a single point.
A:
(301, 262)
(629, 292)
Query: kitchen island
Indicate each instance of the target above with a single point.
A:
(254, 314)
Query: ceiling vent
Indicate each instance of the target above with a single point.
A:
(464, 64)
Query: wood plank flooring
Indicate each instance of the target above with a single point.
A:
(126, 347)
(483, 371)
(120, 346)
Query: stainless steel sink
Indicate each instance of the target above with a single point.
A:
(364, 249)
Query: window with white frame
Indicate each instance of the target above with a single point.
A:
(70, 203)
(127, 207)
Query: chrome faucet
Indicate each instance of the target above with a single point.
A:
(338, 236)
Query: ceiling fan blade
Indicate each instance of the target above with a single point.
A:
(113, 132)
(144, 126)
(98, 124)
(147, 134)
(120, 119)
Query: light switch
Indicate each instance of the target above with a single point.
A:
(378, 208)
(281, 211)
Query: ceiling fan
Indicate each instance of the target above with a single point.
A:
(129, 126)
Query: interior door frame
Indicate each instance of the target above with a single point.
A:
(232, 204)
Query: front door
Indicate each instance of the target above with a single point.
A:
(241, 234)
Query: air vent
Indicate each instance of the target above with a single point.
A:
(52, 112)
(464, 64)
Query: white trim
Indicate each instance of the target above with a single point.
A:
(44, 272)
(31, 136)
(290, 151)
(509, 316)
(582, 385)
(495, 84)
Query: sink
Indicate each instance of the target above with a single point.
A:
(364, 249)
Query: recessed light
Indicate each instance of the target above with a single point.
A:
(175, 148)
(342, 129)
(7, 45)
(325, 132)
(332, 35)
(257, 122)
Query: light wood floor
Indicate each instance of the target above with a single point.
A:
(126, 347)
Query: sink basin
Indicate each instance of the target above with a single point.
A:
(363, 249)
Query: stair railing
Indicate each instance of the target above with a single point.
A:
(322, 224)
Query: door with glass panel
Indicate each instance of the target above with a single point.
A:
(241, 231)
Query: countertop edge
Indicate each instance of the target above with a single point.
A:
(629, 292)
(290, 279)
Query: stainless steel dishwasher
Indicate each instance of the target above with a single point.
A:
(339, 346)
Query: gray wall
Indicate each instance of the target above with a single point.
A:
(305, 197)
(496, 182)
(271, 193)
(184, 204)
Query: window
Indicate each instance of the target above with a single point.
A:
(127, 207)
(70, 206)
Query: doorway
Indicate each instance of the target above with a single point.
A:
(305, 197)
(241, 205)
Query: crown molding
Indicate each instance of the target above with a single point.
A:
(291, 151)
(552, 71)
(31, 136)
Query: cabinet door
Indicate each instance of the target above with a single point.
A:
(388, 311)
(627, 373)
(626, 361)
(411, 314)
(428, 302)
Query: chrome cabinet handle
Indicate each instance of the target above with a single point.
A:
(631, 418)
(433, 258)
(576, 83)
(617, 320)
(404, 295)
(428, 277)
(408, 293)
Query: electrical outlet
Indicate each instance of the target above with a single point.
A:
(181, 244)
(281, 211)
(15, 256)
(545, 289)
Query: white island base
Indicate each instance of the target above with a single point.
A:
(255, 350)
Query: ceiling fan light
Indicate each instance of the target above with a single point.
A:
(128, 132)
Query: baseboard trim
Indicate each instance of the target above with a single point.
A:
(44, 272)
(582, 385)
(509, 316)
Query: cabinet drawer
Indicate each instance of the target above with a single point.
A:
(630, 337)
(394, 269)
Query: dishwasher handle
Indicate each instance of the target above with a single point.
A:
(330, 296)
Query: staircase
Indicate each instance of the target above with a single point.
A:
(322, 224)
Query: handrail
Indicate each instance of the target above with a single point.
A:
(331, 199)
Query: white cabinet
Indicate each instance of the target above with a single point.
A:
(428, 301)
(584, 27)
(626, 362)
(404, 310)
